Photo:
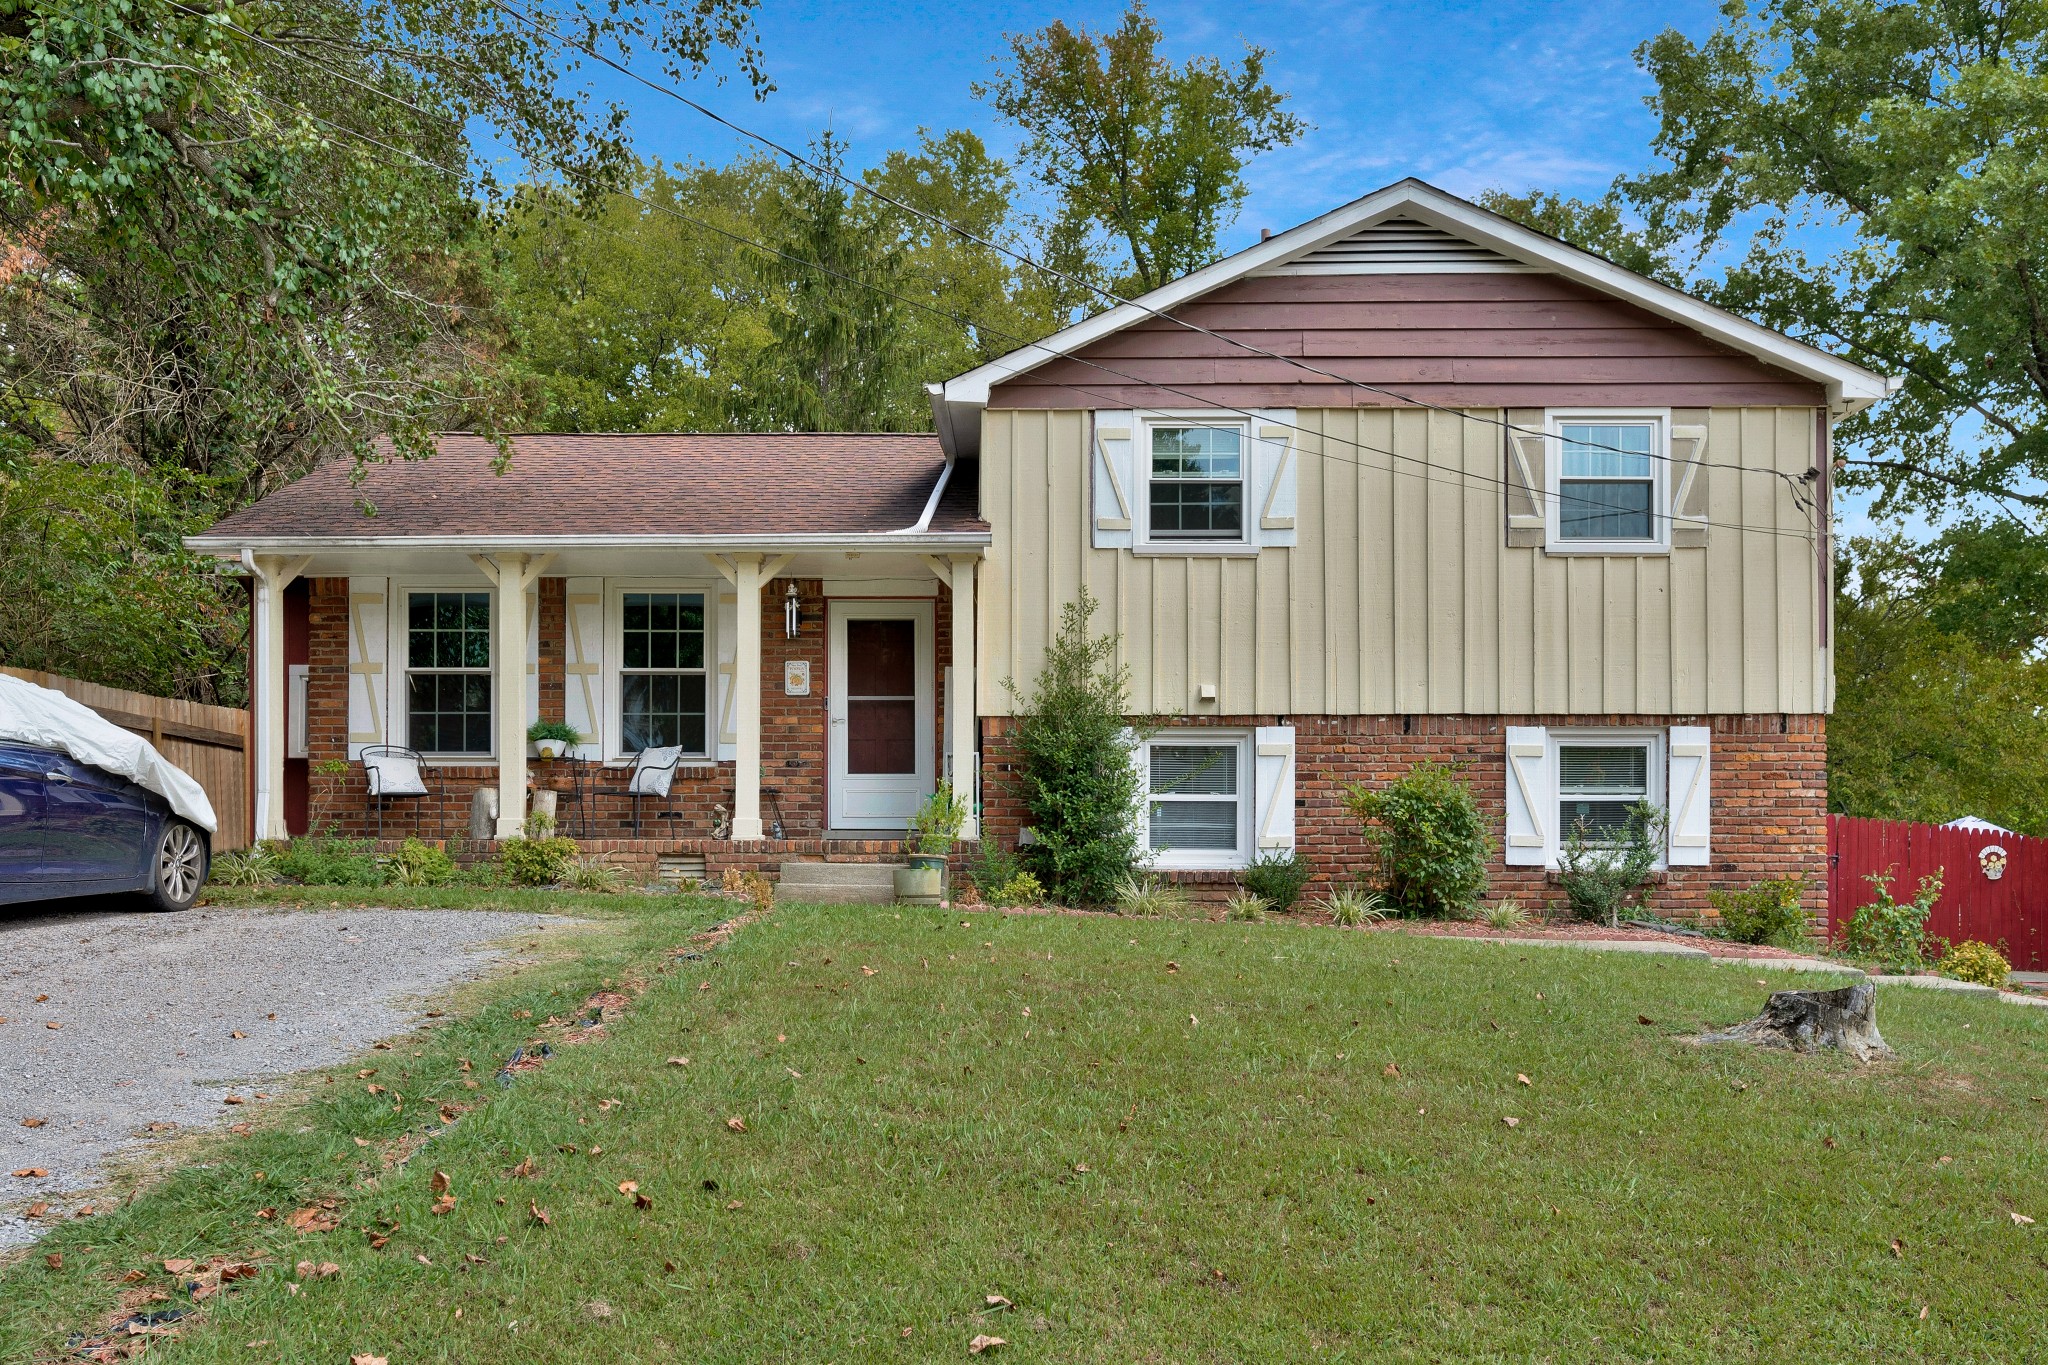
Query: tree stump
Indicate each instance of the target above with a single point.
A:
(1807, 1021)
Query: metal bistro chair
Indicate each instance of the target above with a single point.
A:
(396, 773)
(654, 774)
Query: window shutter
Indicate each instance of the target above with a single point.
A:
(583, 662)
(1688, 487)
(1527, 452)
(1689, 796)
(1531, 806)
(1273, 788)
(726, 637)
(1142, 813)
(1116, 480)
(533, 653)
(369, 626)
(1274, 481)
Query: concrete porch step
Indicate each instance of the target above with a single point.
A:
(839, 883)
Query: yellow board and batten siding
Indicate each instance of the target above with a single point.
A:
(1402, 595)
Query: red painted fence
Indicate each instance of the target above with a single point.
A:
(2008, 910)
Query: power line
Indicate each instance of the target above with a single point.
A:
(548, 33)
(1462, 479)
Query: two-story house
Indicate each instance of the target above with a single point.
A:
(1408, 481)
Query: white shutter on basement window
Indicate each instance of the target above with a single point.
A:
(369, 626)
(1273, 789)
(1114, 479)
(1531, 808)
(583, 662)
(1140, 765)
(1690, 795)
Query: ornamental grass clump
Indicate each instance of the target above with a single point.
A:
(1430, 841)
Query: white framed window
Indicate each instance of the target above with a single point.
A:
(1196, 481)
(1198, 798)
(1608, 481)
(1600, 776)
(449, 692)
(659, 685)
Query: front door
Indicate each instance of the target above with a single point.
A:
(880, 670)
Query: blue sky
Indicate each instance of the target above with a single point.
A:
(1467, 95)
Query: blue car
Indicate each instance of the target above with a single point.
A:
(68, 829)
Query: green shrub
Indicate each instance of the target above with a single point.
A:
(1278, 879)
(252, 866)
(320, 860)
(1429, 837)
(1247, 906)
(1507, 914)
(1001, 879)
(1978, 962)
(419, 864)
(1148, 895)
(1606, 873)
(538, 861)
(1076, 777)
(1350, 909)
(1768, 912)
(1891, 934)
(1021, 889)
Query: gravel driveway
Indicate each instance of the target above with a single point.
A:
(148, 1006)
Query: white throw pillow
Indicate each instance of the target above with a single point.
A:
(394, 775)
(654, 771)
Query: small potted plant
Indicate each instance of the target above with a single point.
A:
(551, 738)
(933, 830)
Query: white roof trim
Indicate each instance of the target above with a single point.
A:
(1850, 387)
(911, 539)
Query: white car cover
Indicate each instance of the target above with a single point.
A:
(50, 720)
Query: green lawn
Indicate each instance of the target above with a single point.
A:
(1160, 1141)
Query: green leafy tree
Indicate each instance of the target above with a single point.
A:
(1941, 706)
(1877, 169)
(1151, 154)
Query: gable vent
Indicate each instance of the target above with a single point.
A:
(1399, 246)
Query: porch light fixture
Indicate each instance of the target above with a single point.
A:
(792, 613)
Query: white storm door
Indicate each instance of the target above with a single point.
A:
(880, 712)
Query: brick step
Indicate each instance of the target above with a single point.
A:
(839, 883)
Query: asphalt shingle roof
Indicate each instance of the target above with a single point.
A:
(720, 484)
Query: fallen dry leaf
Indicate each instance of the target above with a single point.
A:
(641, 1201)
(439, 1183)
(2021, 1219)
(422, 1258)
(1520, 1079)
(55, 1260)
(241, 1129)
(53, 1026)
(540, 1215)
(1390, 1070)
(41, 999)
(679, 1061)
(33, 1123)
(448, 1113)
(867, 971)
(1173, 966)
(236, 1033)
(37, 1209)
(233, 1099)
(31, 1173)
(367, 1359)
(737, 1124)
(1923, 1312)
(445, 1204)
(525, 1170)
(1898, 1248)
(1645, 1020)
(308, 1270)
(984, 1342)
(314, 1218)
(1511, 1121)
(996, 1301)
(629, 1187)
(732, 1204)
(135, 1277)
(178, 1266)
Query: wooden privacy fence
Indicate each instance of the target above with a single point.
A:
(1994, 887)
(209, 742)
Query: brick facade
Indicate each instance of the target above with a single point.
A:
(792, 742)
(1769, 795)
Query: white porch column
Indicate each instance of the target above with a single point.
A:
(510, 575)
(746, 711)
(961, 721)
(273, 574)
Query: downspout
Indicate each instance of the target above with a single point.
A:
(942, 420)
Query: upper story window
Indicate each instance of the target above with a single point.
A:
(448, 672)
(1608, 489)
(663, 688)
(1196, 482)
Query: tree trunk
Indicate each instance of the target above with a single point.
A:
(1807, 1021)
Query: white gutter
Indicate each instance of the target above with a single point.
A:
(243, 546)
(941, 420)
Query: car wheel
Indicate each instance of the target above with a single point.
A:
(178, 869)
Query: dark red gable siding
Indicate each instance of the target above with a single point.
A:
(1480, 340)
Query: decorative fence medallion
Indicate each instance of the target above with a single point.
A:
(1992, 859)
